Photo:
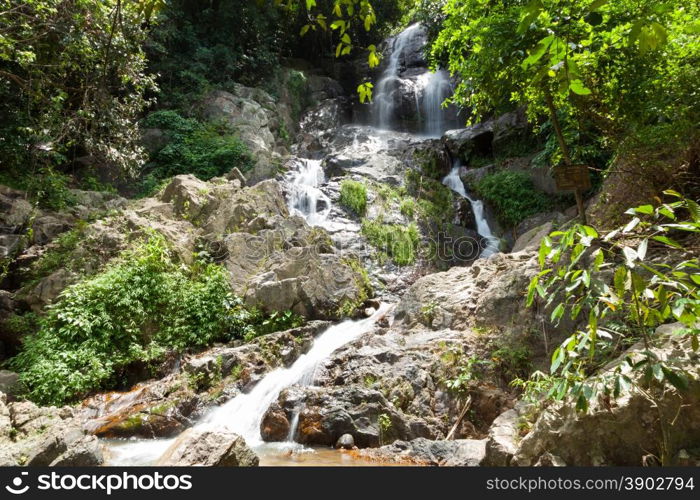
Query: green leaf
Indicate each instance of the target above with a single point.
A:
(310, 4)
(676, 378)
(537, 53)
(577, 87)
(667, 241)
(557, 313)
(644, 209)
(620, 280)
(597, 4)
(531, 290)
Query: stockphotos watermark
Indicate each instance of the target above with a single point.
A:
(101, 483)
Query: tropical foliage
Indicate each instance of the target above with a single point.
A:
(622, 293)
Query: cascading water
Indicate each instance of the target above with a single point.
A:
(385, 99)
(397, 83)
(243, 414)
(436, 90)
(305, 197)
(454, 182)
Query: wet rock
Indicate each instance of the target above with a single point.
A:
(208, 448)
(329, 414)
(165, 407)
(274, 425)
(345, 442)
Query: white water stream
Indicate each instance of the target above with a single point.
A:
(243, 414)
(384, 96)
(305, 197)
(430, 89)
(454, 182)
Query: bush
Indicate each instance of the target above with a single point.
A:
(396, 241)
(136, 310)
(353, 195)
(204, 150)
(513, 195)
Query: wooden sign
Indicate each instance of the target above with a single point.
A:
(572, 177)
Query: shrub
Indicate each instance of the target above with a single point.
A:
(353, 195)
(204, 150)
(397, 241)
(136, 310)
(513, 195)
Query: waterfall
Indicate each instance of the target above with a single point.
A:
(429, 90)
(385, 100)
(454, 182)
(243, 414)
(437, 88)
(305, 197)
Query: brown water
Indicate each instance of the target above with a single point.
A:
(277, 456)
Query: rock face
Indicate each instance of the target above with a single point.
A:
(257, 119)
(490, 292)
(37, 436)
(620, 431)
(207, 448)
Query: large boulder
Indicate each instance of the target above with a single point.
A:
(255, 117)
(326, 415)
(237, 210)
(626, 429)
(502, 441)
(209, 448)
(490, 292)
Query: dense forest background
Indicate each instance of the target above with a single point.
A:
(78, 77)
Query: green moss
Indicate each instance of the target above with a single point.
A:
(348, 307)
(408, 207)
(397, 241)
(353, 195)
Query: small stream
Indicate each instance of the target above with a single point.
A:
(243, 414)
(454, 182)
